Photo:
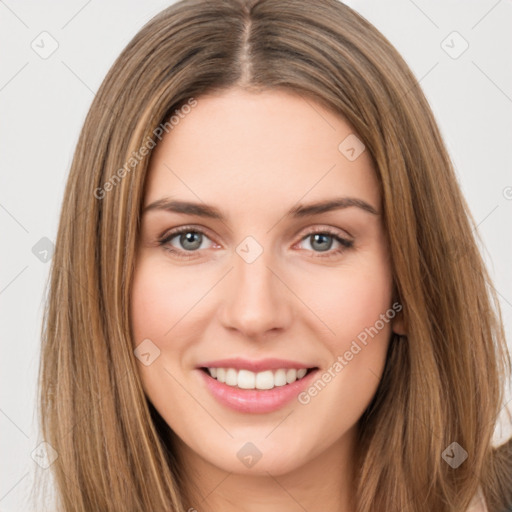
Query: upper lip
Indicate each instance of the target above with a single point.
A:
(255, 366)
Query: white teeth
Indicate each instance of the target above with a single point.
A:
(231, 377)
(265, 380)
(291, 375)
(245, 379)
(280, 377)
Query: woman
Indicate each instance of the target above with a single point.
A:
(250, 370)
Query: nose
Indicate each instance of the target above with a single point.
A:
(257, 300)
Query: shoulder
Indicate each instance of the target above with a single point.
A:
(478, 503)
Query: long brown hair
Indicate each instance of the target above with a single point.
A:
(443, 382)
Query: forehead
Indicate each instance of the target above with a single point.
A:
(260, 150)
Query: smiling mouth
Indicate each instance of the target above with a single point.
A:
(264, 380)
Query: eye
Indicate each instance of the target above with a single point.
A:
(190, 239)
(321, 241)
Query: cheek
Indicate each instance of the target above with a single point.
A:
(161, 296)
(161, 302)
(359, 312)
(361, 305)
(352, 299)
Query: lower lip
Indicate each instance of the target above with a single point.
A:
(256, 400)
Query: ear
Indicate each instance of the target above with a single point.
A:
(398, 324)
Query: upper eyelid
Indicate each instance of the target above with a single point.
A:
(170, 234)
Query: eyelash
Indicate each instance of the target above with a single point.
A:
(163, 241)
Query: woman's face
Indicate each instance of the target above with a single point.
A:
(262, 280)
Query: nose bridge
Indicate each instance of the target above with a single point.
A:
(256, 301)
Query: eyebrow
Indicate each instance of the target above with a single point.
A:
(298, 211)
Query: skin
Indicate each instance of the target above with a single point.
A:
(254, 156)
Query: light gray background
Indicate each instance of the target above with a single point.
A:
(43, 104)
